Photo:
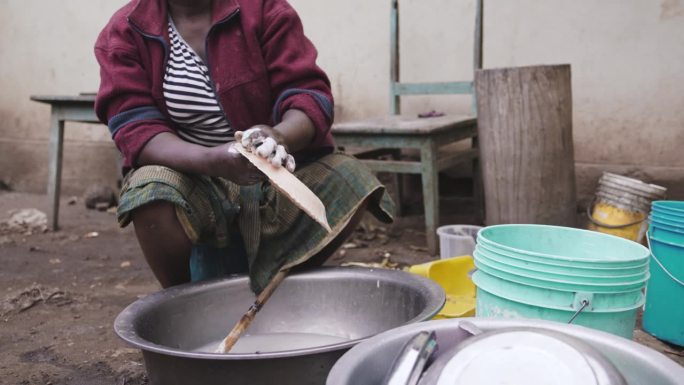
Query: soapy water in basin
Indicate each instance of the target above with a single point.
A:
(274, 342)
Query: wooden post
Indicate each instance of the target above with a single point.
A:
(526, 147)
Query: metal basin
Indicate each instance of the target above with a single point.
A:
(368, 362)
(351, 303)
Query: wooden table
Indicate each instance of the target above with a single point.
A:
(63, 109)
(434, 137)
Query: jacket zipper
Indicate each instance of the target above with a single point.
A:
(161, 40)
(211, 78)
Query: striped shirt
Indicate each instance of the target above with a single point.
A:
(190, 97)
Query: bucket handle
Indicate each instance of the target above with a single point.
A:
(584, 303)
(601, 224)
(648, 239)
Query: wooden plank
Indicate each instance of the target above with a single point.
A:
(444, 160)
(373, 141)
(399, 166)
(83, 113)
(51, 99)
(526, 145)
(405, 125)
(288, 184)
(378, 152)
(438, 88)
(401, 141)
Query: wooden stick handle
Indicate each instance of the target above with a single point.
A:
(242, 325)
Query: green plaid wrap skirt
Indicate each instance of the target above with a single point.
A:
(256, 229)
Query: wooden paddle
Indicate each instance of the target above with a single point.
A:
(288, 184)
(242, 325)
(301, 196)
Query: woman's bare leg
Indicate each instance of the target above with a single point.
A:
(163, 242)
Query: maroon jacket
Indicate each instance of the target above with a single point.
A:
(259, 59)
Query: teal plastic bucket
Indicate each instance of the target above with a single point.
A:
(618, 322)
(664, 311)
(568, 276)
(556, 243)
(596, 267)
(563, 269)
(560, 284)
(560, 273)
(609, 309)
(556, 299)
(567, 262)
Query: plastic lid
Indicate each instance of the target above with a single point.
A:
(518, 357)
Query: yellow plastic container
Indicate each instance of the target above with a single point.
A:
(622, 205)
(452, 275)
(608, 214)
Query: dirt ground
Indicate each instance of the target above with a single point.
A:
(60, 292)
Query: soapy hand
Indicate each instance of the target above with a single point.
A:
(264, 141)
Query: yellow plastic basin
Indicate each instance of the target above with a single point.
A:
(452, 275)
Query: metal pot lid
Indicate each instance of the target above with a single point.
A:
(516, 357)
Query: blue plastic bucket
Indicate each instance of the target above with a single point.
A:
(667, 224)
(664, 310)
(674, 207)
(668, 214)
(666, 220)
(560, 273)
(666, 232)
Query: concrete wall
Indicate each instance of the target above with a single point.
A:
(46, 48)
(626, 58)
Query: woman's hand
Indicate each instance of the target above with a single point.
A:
(294, 133)
(268, 144)
(230, 164)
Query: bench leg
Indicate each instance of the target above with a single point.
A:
(55, 169)
(430, 178)
(398, 183)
